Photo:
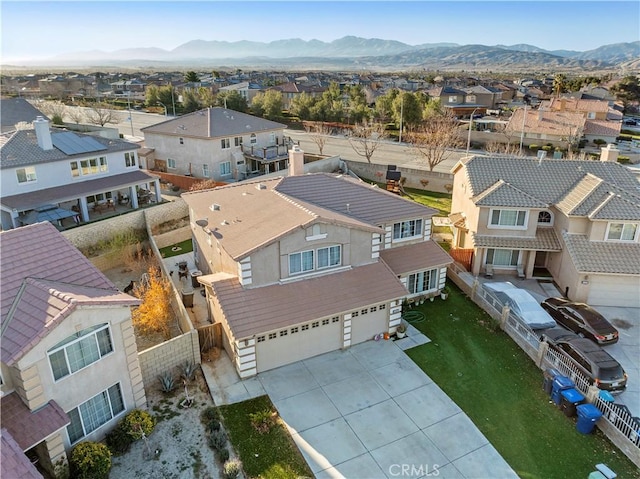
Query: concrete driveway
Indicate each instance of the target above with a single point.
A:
(369, 412)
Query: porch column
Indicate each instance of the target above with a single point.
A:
(156, 186)
(477, 261)
(531, 261)
(84, 209)
(14, 218)
(133, 195)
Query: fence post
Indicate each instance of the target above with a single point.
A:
(503, 317)
(474, 288)
(592, 393)
(542, 350)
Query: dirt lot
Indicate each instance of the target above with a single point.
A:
(177, 448)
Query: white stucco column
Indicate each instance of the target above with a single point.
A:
(84, 209)
(133, 196)
(156, 186)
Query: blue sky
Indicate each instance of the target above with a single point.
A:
(35, 30)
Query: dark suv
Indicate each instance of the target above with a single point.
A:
(598, 365)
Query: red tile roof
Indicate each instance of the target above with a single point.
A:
(14, 463)
(258, 310)
(44, 277)
(27, 427)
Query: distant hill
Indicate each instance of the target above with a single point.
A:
(355, 52)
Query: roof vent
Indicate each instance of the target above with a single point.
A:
(214, 207)
(224, 222)
(261, 186)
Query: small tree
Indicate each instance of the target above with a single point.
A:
(433, 140)
(154, 315)
(191, 77)
(76, 114)
(366, 138)
(55, 110)
(319, 134)
(90, 460)
(101, 114)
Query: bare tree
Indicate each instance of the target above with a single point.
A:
(366, 138)
(75, 113)
(319, 134)
(55, 110)
(507, 144)
(572, 136)
(101, 114)
(433, 140)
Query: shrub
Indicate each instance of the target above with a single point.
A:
(218, 440)
(90, 460)
(223, 455)
(263, 420)
(534, 147)
(188, 370)
(167, 382)
(547, 148)
(624, 160)
(118, 440)
(599, 142)
(137, 422)
(231, 469)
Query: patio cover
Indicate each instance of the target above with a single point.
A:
(47, 213)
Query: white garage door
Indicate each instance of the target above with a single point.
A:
(614, 291)
(298, 342)
(366, 326)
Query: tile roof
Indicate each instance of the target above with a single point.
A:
(415, 257)
(15, 110)
(602, 127)
(602, 256)
(213, 123)
(558, 123)
(576, 104)
(365, 202)
(545, 240)
(560, 182)
(27, 427)
(71, 191)
(259, 310)
(21, 149)
(504, 194)
(43, 278)
(15, 464)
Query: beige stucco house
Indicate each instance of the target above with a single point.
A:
(306, 264)
(578, 221)
(69, 359)
(217, 143)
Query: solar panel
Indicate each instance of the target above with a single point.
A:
(71, 144)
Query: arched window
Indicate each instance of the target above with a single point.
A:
(545, 218)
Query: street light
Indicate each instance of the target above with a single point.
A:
(129, 108)
(163, 106)
(469, 134)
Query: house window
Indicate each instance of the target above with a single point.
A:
(453, 99)
(171, 163)
(225, 168)
(237, 141)
(407, 229)
(545, 218)
(182, 141)
(95, 412)
(254, 139)
(591, 115)
(130, 159)
(422, 281)
(26, 175)
(224, 143)
(508, 218)
(91, 166)
(80, 350)
(622, 232)
(301, 262)
(75, 169)
(328, 257)
(205, 170)
(471, 98)
(503, 257)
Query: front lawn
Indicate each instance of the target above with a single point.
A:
(500, 389)
(270, 455)
(432, 199)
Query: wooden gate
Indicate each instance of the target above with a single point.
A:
(210, 336)
(462, 256)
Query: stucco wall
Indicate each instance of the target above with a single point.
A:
(168, 356)
(173, 237)
(440, 182)
(87, 235)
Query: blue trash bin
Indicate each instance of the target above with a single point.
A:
(569, 400)
(588, 414)
(560, 383)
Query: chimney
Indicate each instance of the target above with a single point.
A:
(296, 161)
(609, 153)
(43, 134)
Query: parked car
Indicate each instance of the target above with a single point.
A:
(582, 319)
(522, 304)
(631, 122)
(593, 361)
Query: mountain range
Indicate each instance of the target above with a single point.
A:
(356, 53)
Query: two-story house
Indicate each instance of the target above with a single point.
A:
(65, 173)
(306, 264)
(577, 221)
(218, 144)
(69, 360)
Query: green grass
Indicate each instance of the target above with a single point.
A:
(438, 201)
(185, 246)
(273, 455)
(500, 389)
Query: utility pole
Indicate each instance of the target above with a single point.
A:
(401, 116)
(469, 134)
(173, 101)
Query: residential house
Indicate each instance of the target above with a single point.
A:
(15, 111)
(483, 96)
(561, 128)
(292, 90)
(456, 100)
(576, 222)
(302, 265)
(69, 360)
(217, 143)
(246, 90)
(62, 174)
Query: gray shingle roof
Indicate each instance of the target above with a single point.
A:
(15, 110)
(213, 123)
(545, 240)
(602, 256)
(351, 197)
(44, 277)
(258, 310)
(21, 149)
(561, 182)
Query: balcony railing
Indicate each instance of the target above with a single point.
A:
(268, 153)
